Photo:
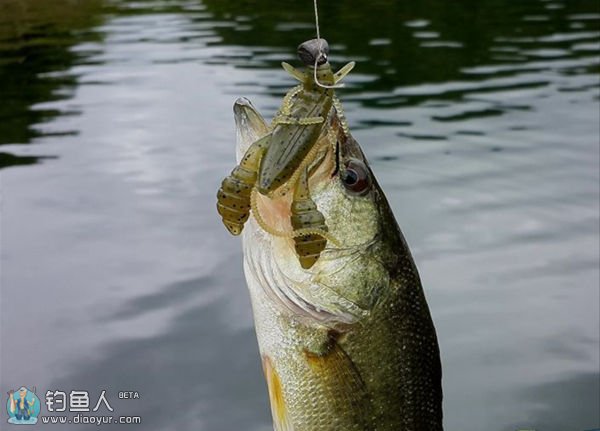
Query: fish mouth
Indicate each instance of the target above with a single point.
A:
(274, 206)
(249, 124)
(244, 110)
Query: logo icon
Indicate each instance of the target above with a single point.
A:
(23, 406)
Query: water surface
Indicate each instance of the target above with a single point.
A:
(480, 119)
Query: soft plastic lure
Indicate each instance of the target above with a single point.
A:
(279, 161)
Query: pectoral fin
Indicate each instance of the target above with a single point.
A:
(343, 385)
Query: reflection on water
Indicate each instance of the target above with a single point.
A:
(36, 49)
(481, 122)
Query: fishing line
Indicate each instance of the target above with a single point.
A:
(321, 54)
(317, 22)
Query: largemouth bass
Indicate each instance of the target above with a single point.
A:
(347, 344)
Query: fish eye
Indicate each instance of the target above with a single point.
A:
(355, 176)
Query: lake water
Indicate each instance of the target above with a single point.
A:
(481, 122)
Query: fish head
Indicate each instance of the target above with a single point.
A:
(345, 282)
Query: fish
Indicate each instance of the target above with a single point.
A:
(349, 343)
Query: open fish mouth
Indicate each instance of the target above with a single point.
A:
(250, 125)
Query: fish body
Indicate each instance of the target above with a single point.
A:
(348, 344)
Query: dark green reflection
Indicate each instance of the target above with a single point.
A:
(397, 44)
(35, 42)
(407, 43)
